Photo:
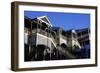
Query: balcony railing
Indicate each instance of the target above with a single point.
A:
(41, 32)
(82, 36)
(48, 34)
(26, 30)
(45, 33)
(63, 37)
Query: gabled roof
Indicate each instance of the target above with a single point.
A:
(45, 20)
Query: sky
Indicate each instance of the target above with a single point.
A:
(64, 20)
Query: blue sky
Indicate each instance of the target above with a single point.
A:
(64, 20)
